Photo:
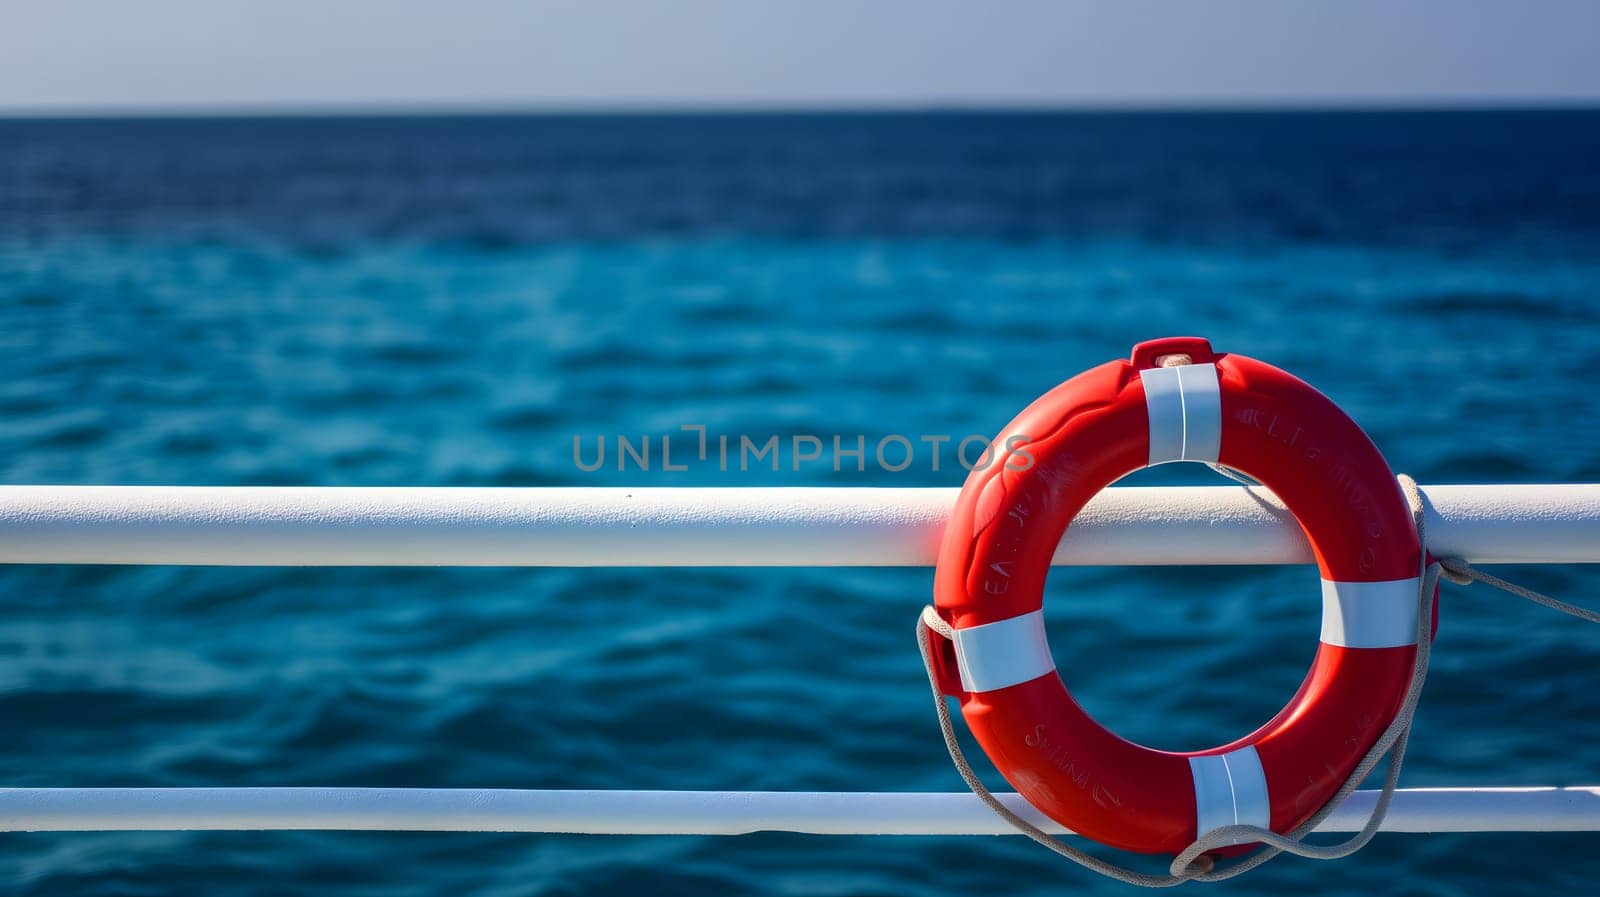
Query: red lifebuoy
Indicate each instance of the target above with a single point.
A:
(1082, 436)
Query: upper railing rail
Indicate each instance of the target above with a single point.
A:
(754, 527)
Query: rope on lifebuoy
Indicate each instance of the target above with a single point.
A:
(1194, 863)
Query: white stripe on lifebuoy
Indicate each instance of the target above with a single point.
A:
(1230, 789)
(1370, 614)
(1002, 654)
(1184, 404)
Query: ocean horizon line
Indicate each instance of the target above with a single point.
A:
(700, 109)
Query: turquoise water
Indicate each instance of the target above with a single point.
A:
(451, 302)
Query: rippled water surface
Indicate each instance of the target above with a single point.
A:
(452, 301)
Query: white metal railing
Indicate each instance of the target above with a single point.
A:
(675, 527)
(698, 812)
(604, 527)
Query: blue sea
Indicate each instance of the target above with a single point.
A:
(452, 301)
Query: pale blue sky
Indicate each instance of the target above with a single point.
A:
(221, 54)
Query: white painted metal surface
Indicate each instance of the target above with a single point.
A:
(608, 527)
(697, 812)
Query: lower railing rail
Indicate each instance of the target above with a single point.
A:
(1547, 809)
